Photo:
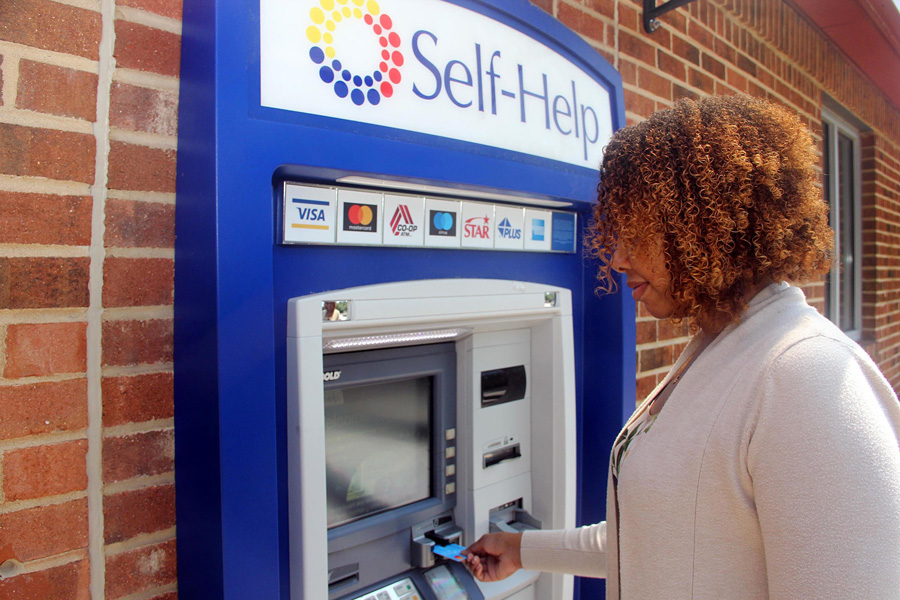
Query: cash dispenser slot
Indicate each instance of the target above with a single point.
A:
(502, 385)
(495, 457)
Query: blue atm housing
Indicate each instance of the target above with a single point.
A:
(233, 279)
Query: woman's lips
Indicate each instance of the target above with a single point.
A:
(638, 291)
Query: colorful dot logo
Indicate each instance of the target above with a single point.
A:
(360, 87)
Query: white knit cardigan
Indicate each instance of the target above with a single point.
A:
(772, 472)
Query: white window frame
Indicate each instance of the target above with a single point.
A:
(836, 126)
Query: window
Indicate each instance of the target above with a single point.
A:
(843, 191)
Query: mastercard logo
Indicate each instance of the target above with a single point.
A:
(360, 214)
(361, 217)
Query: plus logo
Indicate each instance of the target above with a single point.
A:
(506, 230)
(370, 86)
(402, 223)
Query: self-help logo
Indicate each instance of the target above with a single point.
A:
(477, 228)
(327, 19)
(442, 223)
(402, 223)
(361, 217)
(506, 230)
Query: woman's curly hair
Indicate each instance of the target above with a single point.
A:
(728, 184)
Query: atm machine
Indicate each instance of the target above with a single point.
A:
(387, 337)
(445, 410)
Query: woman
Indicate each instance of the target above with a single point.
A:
(767, 463)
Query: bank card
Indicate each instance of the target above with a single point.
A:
(451, 551)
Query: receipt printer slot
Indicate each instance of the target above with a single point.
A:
(502, 385)
(498, 456)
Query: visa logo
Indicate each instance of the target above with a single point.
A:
(311, 214)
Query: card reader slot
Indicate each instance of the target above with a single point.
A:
(498, 456)
(502, 385)
(343, 577)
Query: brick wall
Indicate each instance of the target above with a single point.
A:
(88, 107)
(764, 48)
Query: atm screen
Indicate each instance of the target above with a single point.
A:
(377, 447)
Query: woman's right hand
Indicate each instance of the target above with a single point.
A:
(495, 556)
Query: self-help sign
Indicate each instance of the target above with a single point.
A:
(431, 67)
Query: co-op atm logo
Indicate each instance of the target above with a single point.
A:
(486, 79)
(372, 86)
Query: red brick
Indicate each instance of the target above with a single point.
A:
(143, 109)
(141, 168)
(686, 50)
(669, 330)
(629, 18)
(653, 84)
(671, 65)
(607, 8)
(70, 582)
(679, 92)
(166, 8)
(40, 471)
(545, 5)
(51, 26)
(654, 358)
(147, 49)
(714, 66)
(36, 282)
(138, 455)
(700, 35)
(646, 332)
(137, 342)
(140, 569)
(43, 408)
(137, 398)
(45, 348)
(138, 282)
(639, 104)
(580, 21)
(702, 81)
(628, 71)
(45, 219)
(57, 90)
(636, 47)
(46, 153)
(736, 80)
(746, 64)
(128, 514)
(645, 385)
(44, 531)
(132, 224)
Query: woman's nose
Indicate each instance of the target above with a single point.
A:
(619, 261)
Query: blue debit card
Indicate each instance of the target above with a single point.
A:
(451, 551)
